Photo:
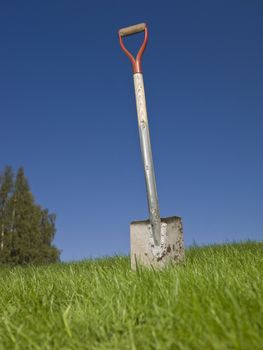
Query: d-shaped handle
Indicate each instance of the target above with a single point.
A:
(136, 62)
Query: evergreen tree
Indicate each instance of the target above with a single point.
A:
(6, 188)
(48, 252)
(31, 228)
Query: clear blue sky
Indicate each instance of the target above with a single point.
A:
(68, 115)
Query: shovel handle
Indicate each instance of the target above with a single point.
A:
(137, 28)
(136, 62)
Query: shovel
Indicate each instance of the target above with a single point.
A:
(158, 241)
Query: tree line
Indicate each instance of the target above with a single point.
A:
(26, 229)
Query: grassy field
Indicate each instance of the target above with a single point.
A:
(213, 301)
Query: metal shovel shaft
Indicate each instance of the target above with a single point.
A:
(145, 143)
(146, 150)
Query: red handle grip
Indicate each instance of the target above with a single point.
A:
(136, 62)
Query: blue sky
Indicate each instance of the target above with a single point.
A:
(67, 112)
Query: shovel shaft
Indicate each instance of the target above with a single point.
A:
(145, 143)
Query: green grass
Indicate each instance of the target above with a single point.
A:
(213, 301)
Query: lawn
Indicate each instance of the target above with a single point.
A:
(212, 301)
